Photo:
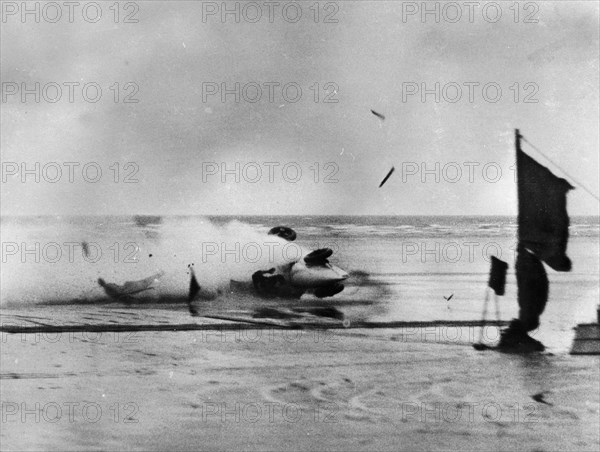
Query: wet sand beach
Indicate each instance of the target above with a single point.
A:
(303, 389)
(368, 369)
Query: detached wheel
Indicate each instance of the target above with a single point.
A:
(284, 232)
(319, 256)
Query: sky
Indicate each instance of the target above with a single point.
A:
(189, 146)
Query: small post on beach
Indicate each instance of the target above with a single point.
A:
(193, 291)
(484, 314)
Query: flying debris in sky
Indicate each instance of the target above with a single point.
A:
(379, 115)
(386, 177)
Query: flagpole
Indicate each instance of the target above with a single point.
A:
(484, 314)
(497, 300)
(517, 149)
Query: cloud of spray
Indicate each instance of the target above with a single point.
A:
(126, 249)
(134, 248)
(221, 253)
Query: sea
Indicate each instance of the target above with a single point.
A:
(403, 268)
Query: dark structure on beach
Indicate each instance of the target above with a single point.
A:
(543, 232)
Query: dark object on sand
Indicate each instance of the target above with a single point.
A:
(194, 286)
(587, 339)
(194, 289)
(539, 397)
(387, 177)
(379, 115)
(515, 339)
(284, 232)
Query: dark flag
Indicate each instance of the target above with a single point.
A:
(497, 280)
(543, 219)
(543, 235)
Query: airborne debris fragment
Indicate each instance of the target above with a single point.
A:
(387, 177)
(379, 115)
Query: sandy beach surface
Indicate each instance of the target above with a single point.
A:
(83, 372)
(272, 389)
